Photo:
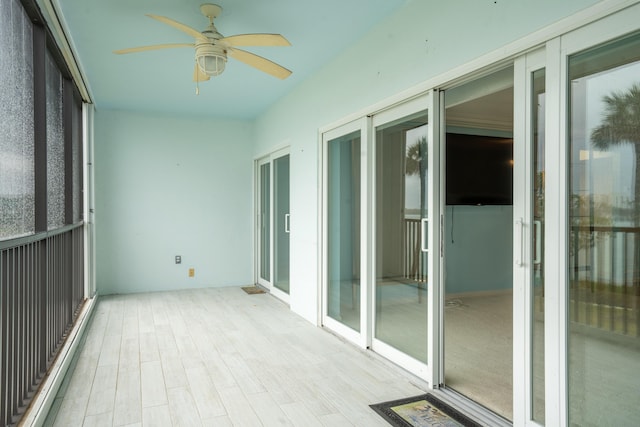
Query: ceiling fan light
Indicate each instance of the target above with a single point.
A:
(211, 65)
(211, 58)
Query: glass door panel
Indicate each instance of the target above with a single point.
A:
(401, 257)
(604, 234)
(265, 222)
(343, 229)
(478, 241)
(282, 223)
(528, 239)
(537, 250)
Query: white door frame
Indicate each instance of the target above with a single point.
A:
(426, 101)
(259, 220)
(523, 251)
(268, 159)
(358, 338)
(556, 251)
(519, 197)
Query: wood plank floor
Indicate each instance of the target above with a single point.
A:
(219, 357)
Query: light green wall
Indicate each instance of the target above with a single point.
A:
(478, 242)
(169, 186)
(422, 40)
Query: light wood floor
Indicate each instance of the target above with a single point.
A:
(219, 357)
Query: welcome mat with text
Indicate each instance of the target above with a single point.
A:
(422, 411)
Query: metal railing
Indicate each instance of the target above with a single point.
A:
(604, 274)
(41, 294)
(605, 278)
(414, 261)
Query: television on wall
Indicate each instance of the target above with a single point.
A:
(479, 170)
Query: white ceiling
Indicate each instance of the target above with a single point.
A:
(161, 80)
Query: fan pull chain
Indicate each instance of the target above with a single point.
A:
(197, 80)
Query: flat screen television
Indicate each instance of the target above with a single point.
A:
(479, 170)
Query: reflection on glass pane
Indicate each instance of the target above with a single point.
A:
(55, 146)
(343, 235)
(265, 222)
(537, 321)
(16, 122)
(604, 253)
(401, 263)
(282, 222)
(77, 158)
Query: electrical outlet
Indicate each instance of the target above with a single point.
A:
(192, 272)
(178, 259)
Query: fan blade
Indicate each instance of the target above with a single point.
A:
(260, 63)
(256, 40)
(198, 75)
(152, 47)
(175, 24)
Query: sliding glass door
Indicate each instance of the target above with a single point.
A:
(529, 236)
(282, 223)
(604, 233)
(380, 263)
(478, 240)
(264, 223)
(406, 232)
(402, 246)
(536, 243)
(343, 228)
(273, 223)
(521, 301)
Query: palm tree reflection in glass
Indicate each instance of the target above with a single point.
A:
(621, 125)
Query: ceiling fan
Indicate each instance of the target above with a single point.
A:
(212, 48)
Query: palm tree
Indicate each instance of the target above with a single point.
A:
(416, 164)
(621, 125)
(416, 157)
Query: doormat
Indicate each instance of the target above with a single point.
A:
(252, 290)
(422, 411)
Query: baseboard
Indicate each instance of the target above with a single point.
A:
(39, 409)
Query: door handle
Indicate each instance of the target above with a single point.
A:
(286, 223)
(520, 230)
(424, 222)
(537, 258)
